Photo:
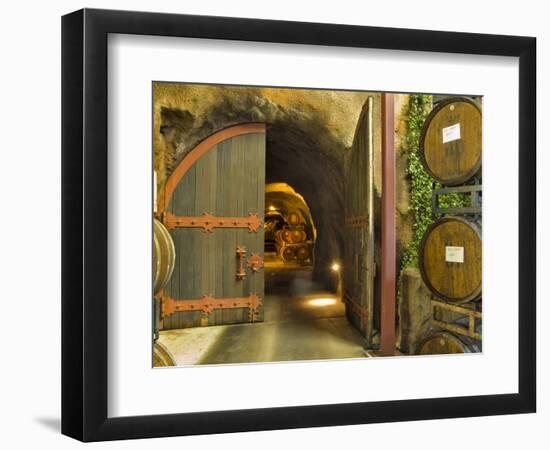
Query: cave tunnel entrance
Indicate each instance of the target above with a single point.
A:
(303, 224)
(305, 176)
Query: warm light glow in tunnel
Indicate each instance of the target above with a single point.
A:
(283, 198)
(322, 301)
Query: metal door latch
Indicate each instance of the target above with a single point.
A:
(241, 253)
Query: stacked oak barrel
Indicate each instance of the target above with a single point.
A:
(450, 251)
(164, 259)
(292, 243)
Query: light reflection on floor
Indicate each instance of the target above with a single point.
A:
(301, 322)
(322, 301)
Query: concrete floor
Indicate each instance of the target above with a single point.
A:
(301, 322)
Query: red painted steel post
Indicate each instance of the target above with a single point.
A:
(388, 259)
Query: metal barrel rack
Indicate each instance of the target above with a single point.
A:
(473, 210)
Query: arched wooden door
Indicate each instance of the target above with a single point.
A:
(213, 205)
(359, 253)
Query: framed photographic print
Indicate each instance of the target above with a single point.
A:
(274, 224)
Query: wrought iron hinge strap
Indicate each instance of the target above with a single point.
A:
(357, 221)
(208, 222)
(209, 303)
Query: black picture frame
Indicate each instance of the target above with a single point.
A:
(84, 224)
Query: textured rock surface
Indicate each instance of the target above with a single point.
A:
(308, 133)
(414, 311)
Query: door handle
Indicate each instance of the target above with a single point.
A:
(241, 253)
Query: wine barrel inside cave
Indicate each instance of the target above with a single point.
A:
(288, 253)
(289, 236)
(164, 256)
(443, 342)
(303, 252)
(297, 236)
(450, 142)
(283, 236)
(450, 259)
(293, 219)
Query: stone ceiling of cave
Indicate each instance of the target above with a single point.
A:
(337, 110)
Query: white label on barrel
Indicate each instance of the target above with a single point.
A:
(454, 254)
(451, 133)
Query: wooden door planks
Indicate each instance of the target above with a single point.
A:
(226, 181)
